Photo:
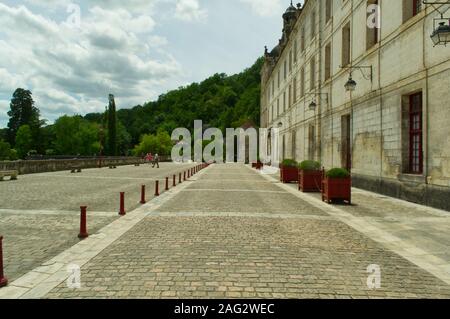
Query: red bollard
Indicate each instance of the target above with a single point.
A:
(174, 181)
(167, 183)
(157, 188)
(179, 179)
(143, 201)
(83, 224)
(184, 175)
(122, 211)
(3, 279)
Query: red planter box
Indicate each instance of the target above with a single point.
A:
(310, 181)
(337, 189)
(288, 174)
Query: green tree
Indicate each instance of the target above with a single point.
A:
(160, 143)
(123, 139)
(22, 112)
(24, 141)
(74, 135)
(5, 150)
(112, 127)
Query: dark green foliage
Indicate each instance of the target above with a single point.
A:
(22, 112)
(112, 128)
(3, 134)
(289, 163)
(76, 136)
(5, 150)
(338, 173)
(24, 141)
(309, 166)
(160, 144)
(220, 101)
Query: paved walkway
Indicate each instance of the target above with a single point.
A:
(233, 233)
(39, 213)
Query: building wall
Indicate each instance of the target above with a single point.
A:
(403, 62)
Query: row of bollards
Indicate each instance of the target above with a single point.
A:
(122, 212)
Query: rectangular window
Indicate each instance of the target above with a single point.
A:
(290, 96)
(278, 107)
(312, 78)
(295, 51)
(346, 45)
(313, 25)
(302, 82)
(294, 145)
(328, 8)
(327, 61)
(295, 90)
(302, 40)
(290, 61)
(411, 8)
(417, 6)
(415, 134)
(278, 84)
(311, 142)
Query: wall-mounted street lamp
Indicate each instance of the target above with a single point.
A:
(441, 26)
(441, 35)
(313, 104)
(351, 84)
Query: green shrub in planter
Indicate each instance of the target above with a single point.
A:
(289, 163)
(309, 166)
(338, 173)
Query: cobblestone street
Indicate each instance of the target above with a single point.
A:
(231, 232)
(39, 213)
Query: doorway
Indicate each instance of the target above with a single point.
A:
(346, 155)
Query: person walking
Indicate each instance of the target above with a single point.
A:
(156, 161)
(149, 158)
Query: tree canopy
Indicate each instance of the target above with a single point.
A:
(22, 112)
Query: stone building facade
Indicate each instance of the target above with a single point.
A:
(393, 130)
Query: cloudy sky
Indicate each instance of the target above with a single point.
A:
(72, 53)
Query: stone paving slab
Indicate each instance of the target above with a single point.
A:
(39, 213)
(426, 228)
(97, 188)
(214, 257)
(30, 240)
(233, 185)
(237, 201)
(42, 279)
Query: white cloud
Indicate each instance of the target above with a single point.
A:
(189, 10)
(266, 8)
(73, 70)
